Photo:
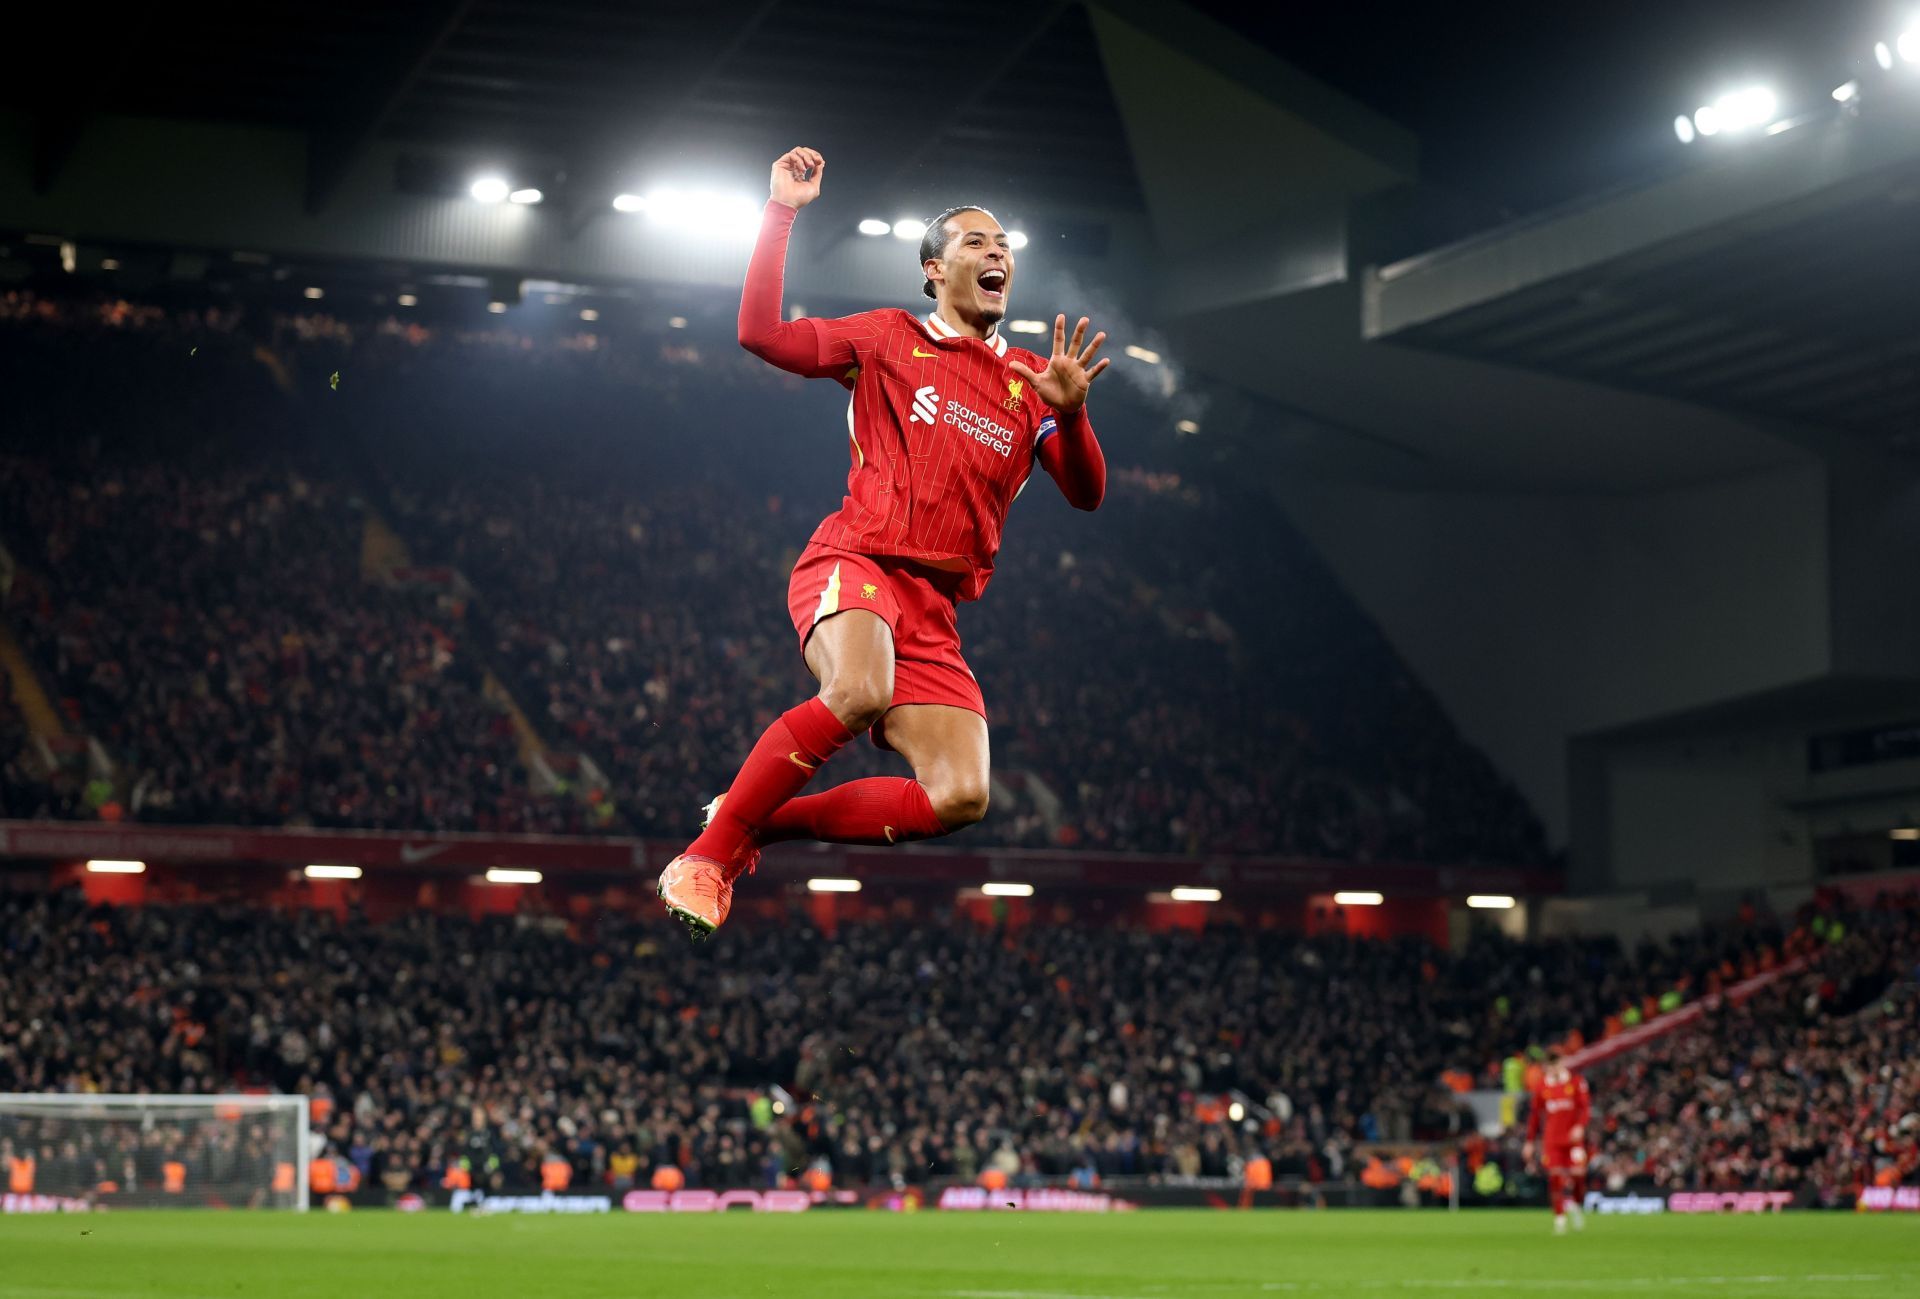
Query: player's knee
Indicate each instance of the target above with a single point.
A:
(858, 700)
(959, 803)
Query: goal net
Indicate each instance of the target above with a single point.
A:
(70, 1152)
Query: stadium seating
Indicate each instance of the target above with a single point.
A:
(1175, 673)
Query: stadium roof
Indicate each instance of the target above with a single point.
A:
(1782, 283)
(597, 88)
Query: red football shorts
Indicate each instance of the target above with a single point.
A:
(915, 602)
(1571, 1158)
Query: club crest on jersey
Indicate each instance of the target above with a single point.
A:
(1014, 388)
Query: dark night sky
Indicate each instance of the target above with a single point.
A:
(1524, 104)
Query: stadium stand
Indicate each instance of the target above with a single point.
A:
(625, 524)
(953, 1048)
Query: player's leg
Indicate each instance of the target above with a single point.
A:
(947, 748)
(1577, 1190)
(1557, 1197)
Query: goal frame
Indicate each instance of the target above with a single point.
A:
(268, 1102)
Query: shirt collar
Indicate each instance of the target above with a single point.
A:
(942, 329)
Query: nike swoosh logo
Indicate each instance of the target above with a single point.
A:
(925, 356)
(794, 758)
(887, 830)
(413, 856)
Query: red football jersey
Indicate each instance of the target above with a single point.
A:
(1559, 1108)
(942, 437)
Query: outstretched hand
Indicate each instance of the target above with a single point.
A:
(791, 183)
(1070, 371)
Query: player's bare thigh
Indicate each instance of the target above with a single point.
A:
(851, 653)
(948, 749)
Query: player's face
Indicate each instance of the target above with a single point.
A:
(975, 277)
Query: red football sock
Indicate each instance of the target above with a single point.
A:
(779, 767)
(1557, 1192)
(883, 809)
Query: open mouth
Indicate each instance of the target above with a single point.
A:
(993, 283)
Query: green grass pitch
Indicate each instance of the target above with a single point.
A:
(861, 1255)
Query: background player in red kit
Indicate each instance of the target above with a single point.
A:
(1561, 1108)
(945, 425)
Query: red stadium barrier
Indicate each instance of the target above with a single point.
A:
(73, 841)
(1660, 1026)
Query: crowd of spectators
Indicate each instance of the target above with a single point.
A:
(438, 1046)
(1176, 673)
(1812, 1086)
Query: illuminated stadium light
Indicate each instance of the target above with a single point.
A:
(1146, 354)
(1186, 894)
(489, 189)
(874, 226)
(1236, 1112)
(589, 315)
(1883, 56)
(497, 308)
(407, 300)
(1740, 110)
(676, 322)
(833, 886)
(525, 197)
(1363, 898)
(506, 875)
(1683, 127)
(1907, 833)
(1706, 120)
(629, 203)
(1490, 902)
(1909, 45)
(1026, 326)
(1000, 889)
(1016, 239)
(117, 867)
(333, 872)
(313, 294)
(699, 211)
(1846, 93)
(1187, 427)
(109, 263)
(908, 228)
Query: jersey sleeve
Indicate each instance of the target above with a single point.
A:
(816, 349)
(1582, 1104)
(1536, 1114)
(1067, 449)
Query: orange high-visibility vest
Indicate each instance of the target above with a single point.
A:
(20, 1175)
(1259, 1174)
(457, 1179)
(556, 1174)
(321, 1176)
(173, 1177)
(668, 1178)
(283, 1178)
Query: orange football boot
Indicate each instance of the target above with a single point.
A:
(698, 892)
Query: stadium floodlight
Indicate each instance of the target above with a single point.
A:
(1358, 898)
(117, 867)
(1907, 833)
(1027, 326)
(1883, 55)
(407, 300)
(1490, 902)
(1909, 45)
(489, 189)
(676, 322)
(1186, 427)
(1186, 894)
(1236, 1112)
(1002, 889)
(909, 228)
(589, 315)
(525, 197)
(1016, 239)
(1706, 120)
(313, 293)
(333, 872)
(701, 211)
(1683, 127)
(833, 886)
(629, 203)
(109, 263)
(1846, 92)
(1741, 110)
(874, 226)
(506, 875)
(498, 308)
(1146, 354)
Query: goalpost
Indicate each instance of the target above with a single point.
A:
(73, 1152)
